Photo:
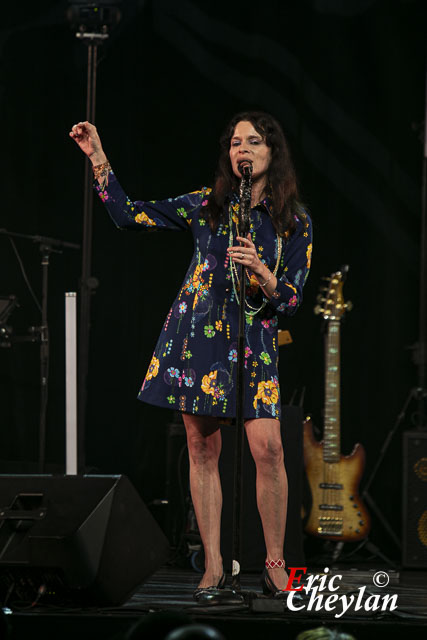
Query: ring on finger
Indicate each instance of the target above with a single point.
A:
(242, 255)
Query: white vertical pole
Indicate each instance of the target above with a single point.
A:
(71, 383)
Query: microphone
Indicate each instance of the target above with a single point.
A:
(245, 167)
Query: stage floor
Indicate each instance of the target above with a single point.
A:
(168, 593)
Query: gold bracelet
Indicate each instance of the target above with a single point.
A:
(267, 281)
(102, 171)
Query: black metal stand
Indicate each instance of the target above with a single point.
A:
(88, 283)
(92, 23)
(422, 336)
(419, 393)
(45, 250)
(365, 494)
(41, 334)
(244, 225)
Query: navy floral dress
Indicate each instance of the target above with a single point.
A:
(193, 368)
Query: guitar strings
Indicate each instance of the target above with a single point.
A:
(331, 471)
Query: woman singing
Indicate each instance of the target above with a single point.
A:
(194, 363)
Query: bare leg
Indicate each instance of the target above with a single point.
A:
(204, 447)
(271, 488)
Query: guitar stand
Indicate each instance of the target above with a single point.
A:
(376, 552)
(415, 394)
(364, 544)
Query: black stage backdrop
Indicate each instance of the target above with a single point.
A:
(345, 78)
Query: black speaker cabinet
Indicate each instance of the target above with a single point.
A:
(252, 539)
(414, 499)
(88, 540)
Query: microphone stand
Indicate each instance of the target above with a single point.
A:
(47, 246)
(88, 283)
(244, 226)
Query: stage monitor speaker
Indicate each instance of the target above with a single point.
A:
(84, 540)
(414, 507)
(252, 539)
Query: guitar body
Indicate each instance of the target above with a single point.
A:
(337, 511)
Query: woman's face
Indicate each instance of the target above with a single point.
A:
(247, 144)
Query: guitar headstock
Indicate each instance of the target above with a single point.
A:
(331, 300)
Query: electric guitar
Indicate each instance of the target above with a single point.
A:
(337, 511)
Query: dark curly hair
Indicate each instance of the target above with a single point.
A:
(281, 179)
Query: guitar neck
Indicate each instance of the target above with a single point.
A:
(332, 429)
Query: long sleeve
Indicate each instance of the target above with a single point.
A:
(173, 213)
(297, 260)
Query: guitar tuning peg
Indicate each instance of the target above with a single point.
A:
(326, 278)
(348, 305)
(320, 298)
(318, 309)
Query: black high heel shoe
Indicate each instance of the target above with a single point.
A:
(204, 595)
(269, 589)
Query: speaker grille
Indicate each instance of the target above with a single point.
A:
(422, 528)
(414, 526)
(420, 469)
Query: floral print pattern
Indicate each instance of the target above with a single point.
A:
(194, 364)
